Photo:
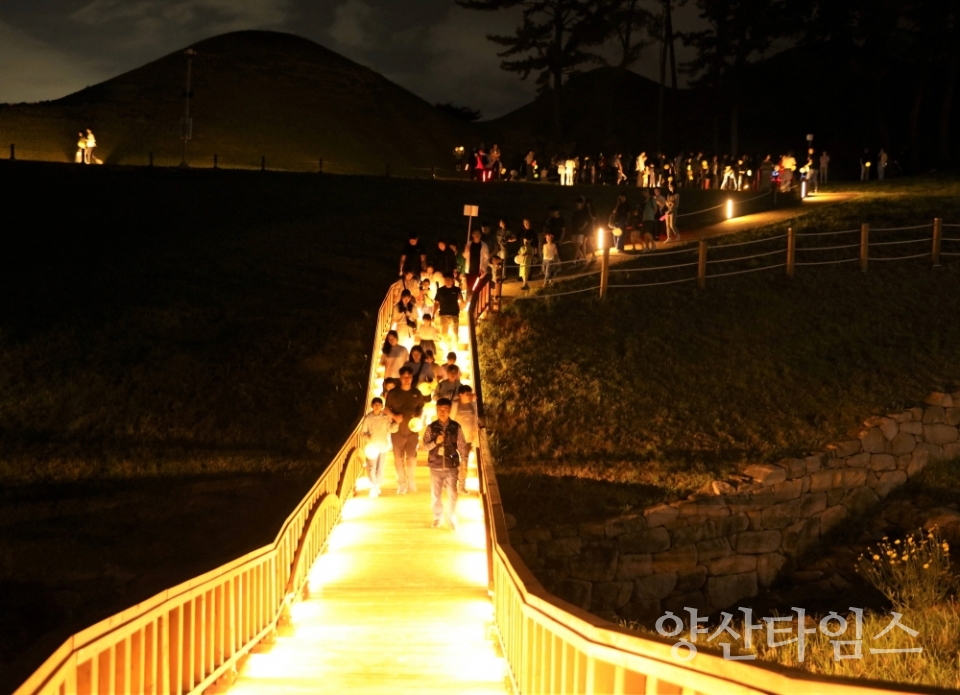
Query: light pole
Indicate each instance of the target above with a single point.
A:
(186, 123)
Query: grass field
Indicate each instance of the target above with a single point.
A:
(180, 355)
(676, 386)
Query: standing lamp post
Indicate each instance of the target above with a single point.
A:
(186, 123)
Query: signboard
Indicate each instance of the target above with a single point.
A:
(471, 210)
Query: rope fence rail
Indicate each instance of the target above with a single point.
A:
(789, 253)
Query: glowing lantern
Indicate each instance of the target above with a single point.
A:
(600, 239)
(729, 209)
(372, 451)
(617, 231)
(425, 387)
(415, 424)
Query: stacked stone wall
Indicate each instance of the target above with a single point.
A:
(729, 542)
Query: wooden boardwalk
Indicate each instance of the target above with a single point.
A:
(395, 606)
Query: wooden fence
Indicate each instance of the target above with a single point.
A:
(552, 646)
(196, 635)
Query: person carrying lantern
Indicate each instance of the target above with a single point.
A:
(375, 437)
(405, 407)
(448, 448)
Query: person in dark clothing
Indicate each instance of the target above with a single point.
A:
(447, 304)
(404, 404)
(581, 228)
(618, 220)
(444, 259)
(413, 258)
(448, 448)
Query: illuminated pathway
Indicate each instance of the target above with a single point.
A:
(395, 606)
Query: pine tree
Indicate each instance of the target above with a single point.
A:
(552, 41)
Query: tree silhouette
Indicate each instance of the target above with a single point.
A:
(551, 41)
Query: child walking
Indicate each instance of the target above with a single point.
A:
(375, 437)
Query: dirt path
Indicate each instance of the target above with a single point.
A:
(511, 288)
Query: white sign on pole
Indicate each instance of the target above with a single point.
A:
(471, 210)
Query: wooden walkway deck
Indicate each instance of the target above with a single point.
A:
(395, 606)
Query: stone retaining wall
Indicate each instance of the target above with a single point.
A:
(721, 545)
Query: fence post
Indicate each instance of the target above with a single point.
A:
(13, 151)
(216, 161)
(433, 172)
(937, 235)
(151, 159)
(864, 246)
(321, 165)
(791, 250)
(263, 162)
(702, 266)
(604, 271)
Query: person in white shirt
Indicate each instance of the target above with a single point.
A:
(641, 170)
(393, 356)
(375, 438)
(551, 257)
(427, 334)
(464, 413)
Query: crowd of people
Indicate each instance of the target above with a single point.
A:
(425, 322)
(746, 172)
(86, 144)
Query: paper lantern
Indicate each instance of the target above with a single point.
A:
(415, 424)
(518, 260)
(617, 231)
(372, 451)
(425, 387)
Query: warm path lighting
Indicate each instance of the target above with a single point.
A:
(394, 606)
(729, 208)
(600, 239)
(803, 189)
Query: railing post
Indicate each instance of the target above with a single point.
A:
(864, 246)
(13, 151)
(604, 271)
(702, 266)
(216, 163)
(791, 250)
(937, 235)
(321, 165)
(263, 162)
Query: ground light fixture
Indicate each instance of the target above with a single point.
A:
(803, 189)
(600, 239)
(729, 208)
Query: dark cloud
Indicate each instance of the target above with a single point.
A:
(49, 48)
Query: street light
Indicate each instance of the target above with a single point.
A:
(186, 123)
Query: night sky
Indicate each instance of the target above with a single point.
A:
(50, 48)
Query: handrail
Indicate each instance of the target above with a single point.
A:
(552, 646)
(194, 635)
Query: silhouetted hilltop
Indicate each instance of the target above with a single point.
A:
(255, 93)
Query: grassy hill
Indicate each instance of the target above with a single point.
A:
(255, 93)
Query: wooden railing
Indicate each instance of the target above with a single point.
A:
(552, 646)
(195, 635)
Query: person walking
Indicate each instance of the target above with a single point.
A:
(865, 165)
(824, 166)
(881, 164)
(448, 304)
(641, 165)
(375, 439)
(393, 356)
(405, 403)
(427, 334)
(672, 202)
(91, 146)
(464, 413)
(582, 224)
(648, 218)
(405, 318)
(81, 156)
(448, 387)
(421, 369)
(477, 257)
(524, 259)
(551, 258)
(444, 439)
(618, 220)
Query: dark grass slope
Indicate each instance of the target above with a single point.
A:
(676, 385)
(255, 93)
